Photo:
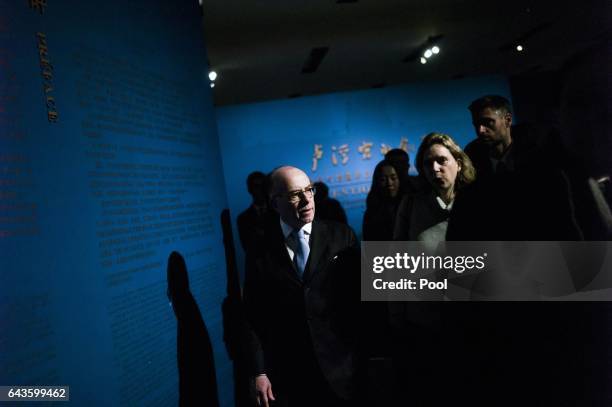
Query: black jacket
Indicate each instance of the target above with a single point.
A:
(291, 320)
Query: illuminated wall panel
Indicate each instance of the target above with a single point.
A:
(109, 160)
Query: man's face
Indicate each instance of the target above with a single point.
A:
(493, 127)
(291, 200)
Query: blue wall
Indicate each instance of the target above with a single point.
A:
(109, 160)
(262, 136)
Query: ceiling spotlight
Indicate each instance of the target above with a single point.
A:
(212, 75)
(435, 50)
(212, 84)
(427, 53)
(519, 48)
(423, 60)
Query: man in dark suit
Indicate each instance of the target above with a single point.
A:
(516, 353)
(251, 222)
(296, 309)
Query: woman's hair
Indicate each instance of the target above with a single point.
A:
(377, 196)
(467, 173)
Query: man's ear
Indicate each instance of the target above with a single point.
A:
(508, 119)
(273, 205)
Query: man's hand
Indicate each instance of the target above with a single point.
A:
(263, 390)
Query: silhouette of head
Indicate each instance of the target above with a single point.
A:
(257, 187)
(322, 191)
(178, 281)
(400, 159)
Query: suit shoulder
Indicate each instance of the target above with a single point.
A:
(477, 148)
(243, 215)
(471, 145)
(333, 225)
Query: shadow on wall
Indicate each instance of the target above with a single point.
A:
(233, 317)
(196, 366)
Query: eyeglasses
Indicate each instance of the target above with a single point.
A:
(295, 196)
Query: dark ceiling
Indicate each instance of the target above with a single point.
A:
(269, 49)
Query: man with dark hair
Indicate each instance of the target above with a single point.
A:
(495, 102)
(295, 298)
(251, 221)
(503, 146)
(492, 120)
(520, 191)
(520, 194)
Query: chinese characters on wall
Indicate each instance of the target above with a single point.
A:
(340, 154)
(46, 67)
(38, 5)
(350, 186)
(347, 183)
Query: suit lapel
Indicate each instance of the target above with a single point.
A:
(318, 247)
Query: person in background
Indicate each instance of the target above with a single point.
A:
(517, 351)
(502, 146)
(251, 222)
(378, 220)
(328, 208)
(445, 169)
(401, 160)
(493, 150)
(382, 202)
(521, 192)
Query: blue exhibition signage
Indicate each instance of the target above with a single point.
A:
(109, 161)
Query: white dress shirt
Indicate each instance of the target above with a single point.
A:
(287, 231)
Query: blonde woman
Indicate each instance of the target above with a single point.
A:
(447, 169)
